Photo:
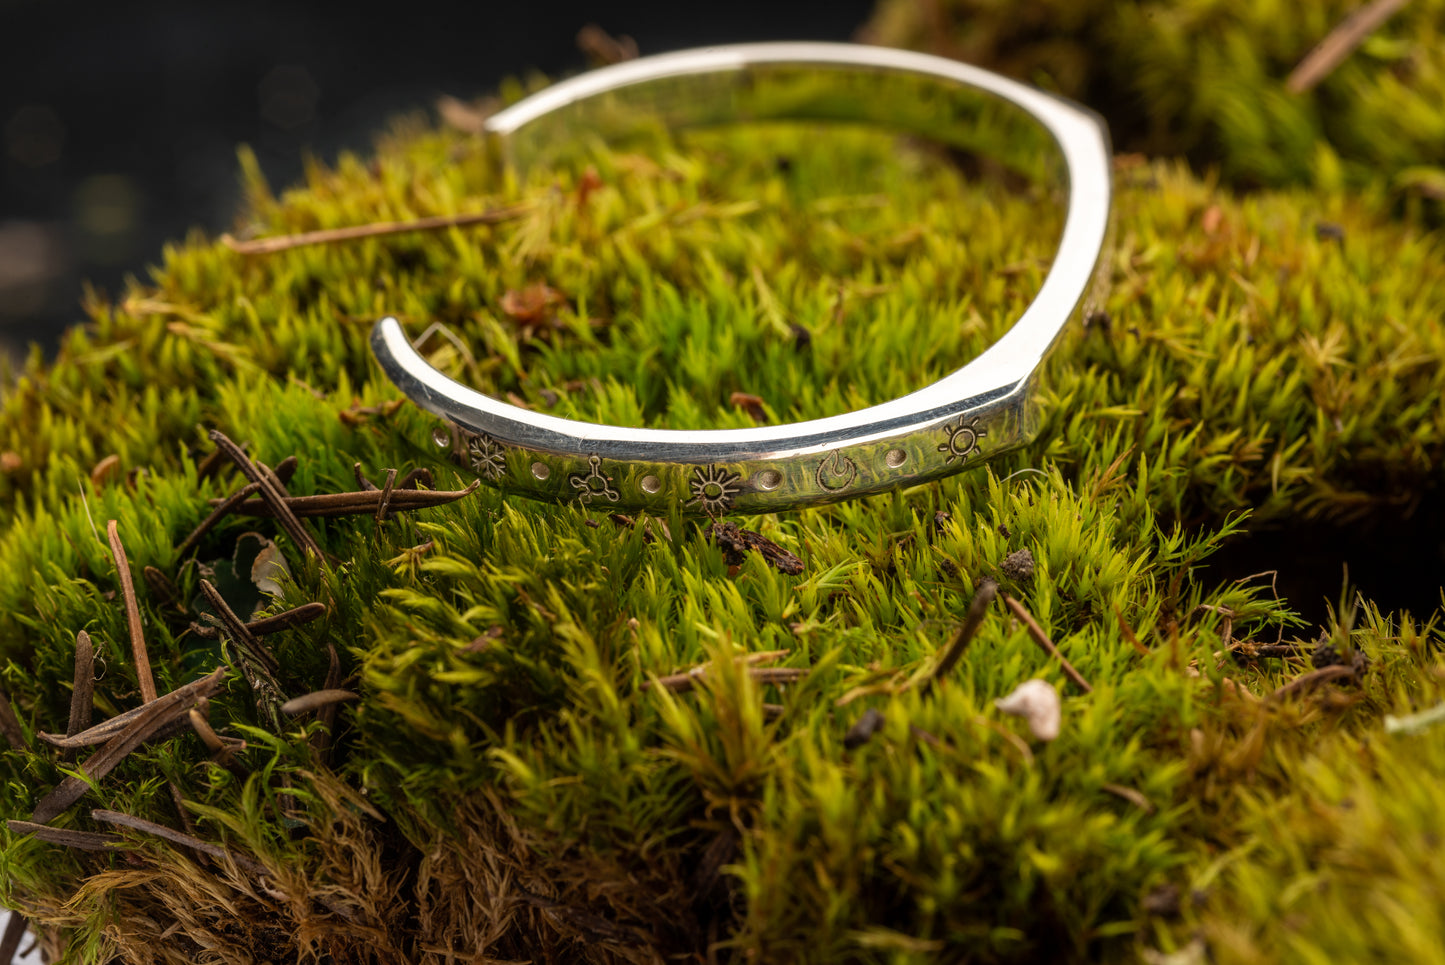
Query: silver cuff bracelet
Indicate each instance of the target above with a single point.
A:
(972, 414)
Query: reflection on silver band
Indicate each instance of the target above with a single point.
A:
(969, 415)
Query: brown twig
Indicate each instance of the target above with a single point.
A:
(132, 616)
(681, 683)
(14, 935)
(321, 740)
(1129, 634)
(106, 730)
(285, 469)
(362, 483)
(162, 588)
(977, 607)
(222, 749)
(272, 624)
(1329, 53)
(269, 246)
(384, 500)
(10, 724)
(1042, 639)
(1313, 678)
(270, 493)
(180, 805)
(316, 700)
(176, 837)
(239, 632)
(222, 509)
(153, 716)
(81, 840)
(82, 694)
(1249, 650)
(358, 504)
(1129, 794)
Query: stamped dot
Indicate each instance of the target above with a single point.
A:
(895, 458)
(768, 479)
(650, 484)
(442, 436)
(541, 470)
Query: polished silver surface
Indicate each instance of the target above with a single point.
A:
(973, 413)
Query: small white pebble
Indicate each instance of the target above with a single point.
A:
(1038, 703)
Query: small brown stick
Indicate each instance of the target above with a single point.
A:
(154, 715)
(316, 700)
(1329, 53)
(321, 740)
(176, 837)
(223, 749)
(1014, 740)
(238, 630)
(1129, 634)
(270, 492)
(132, 616)
(274, 477)
(223, 508)
(681, 683)
(418, 476)
(304, 613)
(1312, 679)
(180, 804)
(106, 730)
(1129, 794)
(1249, 650)
(1042, 639)
(358, 504)
(206, 733)
(82, 694)
(14, 935)
(210, 465)
(384, 500)
(285, 469)
(81, 840)
(10, 724)
(162, 587)
(977, 607)
(269, 246)
(362, 483)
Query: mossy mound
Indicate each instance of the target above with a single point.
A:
(1211, 80)
(524, 775)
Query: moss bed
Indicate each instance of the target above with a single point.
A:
(523, 775)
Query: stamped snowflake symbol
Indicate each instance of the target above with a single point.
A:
(961, 440)
(486, 456)
(713, 489)
(593, 483)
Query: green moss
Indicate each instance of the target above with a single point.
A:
(1208, 80)
(513, 780)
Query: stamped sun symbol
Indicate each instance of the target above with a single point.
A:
(594, 483)
(713, 489)
(962, 440)
(486, 456)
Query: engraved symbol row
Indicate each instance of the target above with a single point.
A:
(713, 488)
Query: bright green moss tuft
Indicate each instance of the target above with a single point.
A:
(1209, 80)
(514, 782)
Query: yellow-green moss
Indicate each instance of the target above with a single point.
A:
(1209, 79)
(510, 785)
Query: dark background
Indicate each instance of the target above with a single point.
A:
(119, 122)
